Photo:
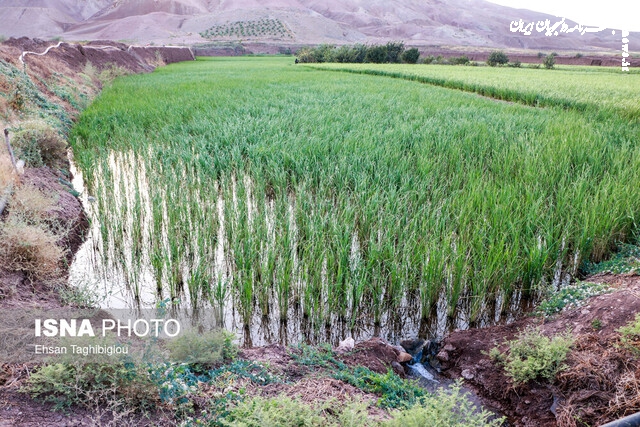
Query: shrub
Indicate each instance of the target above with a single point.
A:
(411, 56)
(394, 391)
(515, 64)
(210, 347)
(533, 355)
(630, 335)
(30, 249)
(67, 384)
(497, 57)
(549, 61)
(38, 144)
(449, 408)
(32, 204)
(429, 59)
(459, 60)
(284, 411)
(306, 55)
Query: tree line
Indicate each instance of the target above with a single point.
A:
(392, 52)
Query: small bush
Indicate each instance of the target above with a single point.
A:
(394, 391)
(67, 384)
(284, 411)
(497, 57)
(30, 249)
(111, 72)
(630, 335)
(449, 408)
(429, 59)
(207, 348)
(515, 64)
(533, 355)
(534, 66)
(38, 144)
(31, 203)
(459, 60)
(549, 61)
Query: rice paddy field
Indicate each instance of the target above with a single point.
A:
(305, 205)
(589, 89)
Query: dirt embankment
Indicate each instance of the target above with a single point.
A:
(601, 382)
(52, 89)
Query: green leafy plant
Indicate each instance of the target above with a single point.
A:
(532, 355)
(570, 297)
(630, 335)
(256, 372)
(321, 355)
(549, 61)
(497, 57)
(394, 391)
(625, 260)
(447, 408)
(39, 144)
(206, 348)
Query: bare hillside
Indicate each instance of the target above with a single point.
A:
(473, 23)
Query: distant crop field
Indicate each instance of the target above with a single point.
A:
(566, 86)
(335, 203)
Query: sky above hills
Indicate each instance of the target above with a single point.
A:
(618, 14)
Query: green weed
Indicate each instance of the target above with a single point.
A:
(532, 355)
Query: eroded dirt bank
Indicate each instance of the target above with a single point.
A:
(601, 381)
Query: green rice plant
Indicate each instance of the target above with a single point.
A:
(273, 192)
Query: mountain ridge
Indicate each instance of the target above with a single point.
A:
(472, 23)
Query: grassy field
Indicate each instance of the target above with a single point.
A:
(588, 89)
(289, 191)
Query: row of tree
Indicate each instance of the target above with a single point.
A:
(392, 52)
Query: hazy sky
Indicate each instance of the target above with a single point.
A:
(618, 14)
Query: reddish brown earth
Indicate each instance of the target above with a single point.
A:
(602, 380)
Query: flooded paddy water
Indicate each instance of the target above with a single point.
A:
(289, 204)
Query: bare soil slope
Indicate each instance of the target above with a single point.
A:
(600, 384)
(477, 23)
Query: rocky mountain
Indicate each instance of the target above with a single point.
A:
(471, 23)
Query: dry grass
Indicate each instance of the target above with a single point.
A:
(30, 249)
(31, 204)
(6, 170)
(601, 384)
